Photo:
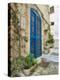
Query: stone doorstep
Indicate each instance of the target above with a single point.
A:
(44, 63)
(39, 60)
(49, 58)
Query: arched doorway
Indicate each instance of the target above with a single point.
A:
(35, 33)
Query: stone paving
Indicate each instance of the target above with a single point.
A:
(51, 69)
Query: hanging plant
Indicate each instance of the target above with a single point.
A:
(45, 30)
(50, 40)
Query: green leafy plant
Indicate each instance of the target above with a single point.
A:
(45, 30)
(50, 39)
(29, 61)
(16, 66)
(21, 63)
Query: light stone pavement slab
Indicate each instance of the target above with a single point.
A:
(51, 69)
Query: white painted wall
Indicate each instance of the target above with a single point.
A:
(55, 28)
(55, 17)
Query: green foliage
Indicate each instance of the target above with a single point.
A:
(16, 65)
(50, 39)
(45, 30)
(21, 63)
(29, 61)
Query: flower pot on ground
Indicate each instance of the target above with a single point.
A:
(29, 71)
(50, 39)
(49, 43)
(29, 61)
(29, 65)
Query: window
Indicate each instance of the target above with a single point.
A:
(52, 23)
(52, 9)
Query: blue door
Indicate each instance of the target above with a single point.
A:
(35, 33)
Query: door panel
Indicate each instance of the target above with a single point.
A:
(35, 34)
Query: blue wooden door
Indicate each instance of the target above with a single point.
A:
(35, 34)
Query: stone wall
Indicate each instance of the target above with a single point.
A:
(22, 46)
(13, 45)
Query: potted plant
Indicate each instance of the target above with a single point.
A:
(30, 64)
(50, 40)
